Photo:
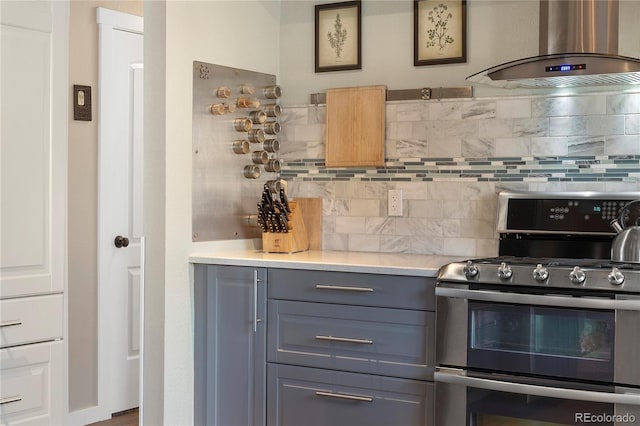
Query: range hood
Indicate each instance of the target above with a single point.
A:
(578, 47)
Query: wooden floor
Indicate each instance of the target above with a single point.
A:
(126, 418)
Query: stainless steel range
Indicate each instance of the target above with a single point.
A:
(548, 333)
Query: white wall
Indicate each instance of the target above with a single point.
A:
(497, 31)
(241, 34)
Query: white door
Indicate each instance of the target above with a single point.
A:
(119, 207)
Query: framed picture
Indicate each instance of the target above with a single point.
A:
(337, 38)
(439, 32)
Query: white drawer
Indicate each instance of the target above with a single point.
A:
(32, 378)
(30, 319)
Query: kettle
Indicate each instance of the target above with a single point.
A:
(626, 245)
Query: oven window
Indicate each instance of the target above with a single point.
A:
(562, 342)
(492, 408)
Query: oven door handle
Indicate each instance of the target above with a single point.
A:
(536, 299)
(458, 377)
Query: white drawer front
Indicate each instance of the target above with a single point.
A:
(32, 380)
(30, 319)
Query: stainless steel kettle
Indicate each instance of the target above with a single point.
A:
(626, 245)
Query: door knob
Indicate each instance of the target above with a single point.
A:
(121, 241)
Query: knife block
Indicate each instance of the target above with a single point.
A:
(288, 242)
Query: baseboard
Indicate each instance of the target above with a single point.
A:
(87, 416)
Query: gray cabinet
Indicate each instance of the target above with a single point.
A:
(315, 397)
(230, 345)
(349, 349)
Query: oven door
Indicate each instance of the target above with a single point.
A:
(560, 336)
(474, 399)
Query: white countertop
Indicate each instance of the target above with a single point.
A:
(325, 260)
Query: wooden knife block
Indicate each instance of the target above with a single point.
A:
(288, 242)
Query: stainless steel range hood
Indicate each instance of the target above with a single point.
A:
(578, 47)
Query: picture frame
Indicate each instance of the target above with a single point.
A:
(338, 45)
(439, 32)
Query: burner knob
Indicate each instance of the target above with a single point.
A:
(470, 270)
(540, 273)
(504, 271)
(577, 276)
(615, 277)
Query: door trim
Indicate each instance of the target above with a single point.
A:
(108, 22)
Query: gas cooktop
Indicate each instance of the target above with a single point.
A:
(558, 273)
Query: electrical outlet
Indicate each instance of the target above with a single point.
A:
(394, 204)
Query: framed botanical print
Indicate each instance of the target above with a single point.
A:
(439, 32)
(337, 36)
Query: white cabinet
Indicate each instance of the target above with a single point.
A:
(33, 141)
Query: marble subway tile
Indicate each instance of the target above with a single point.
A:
(311, 132)
(477, 191)
(544, 147)
(458, 209)
(395, 244)
(473, 228)
(411, 190)
(459, 246)
(513, 108)
(632, 124)
(380, 225)
(427, 245)
(364, 208)
(622, 145)
(415, 111)
(622, 186)
(478, 148)
(569, 106)
(292, 116)
(411, 148)
(391, 112)
(411, 226)
(586, 146)
(445, 110)
(494, 129)
(568, 126)
(317, 114)
(350, 225)
(335, 242)
(525, 127)
(479, 110)
(430, 209)
(358, 242)
(512, 147)
(335, 207)
(624, 103)
(375, 190)
(447, 191)
(605, 125)
(444, 147)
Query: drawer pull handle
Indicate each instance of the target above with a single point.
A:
(345, 340)
(344, 396)
(10, 323)
(10, 400)
(344, 288)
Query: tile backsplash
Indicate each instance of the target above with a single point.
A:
(450, 158)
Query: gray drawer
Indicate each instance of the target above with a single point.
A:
(311, 397)
(389, 291)
(391, 342)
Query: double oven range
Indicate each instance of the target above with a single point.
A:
(548, 332)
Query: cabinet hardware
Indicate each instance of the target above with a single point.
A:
(10, 400)
(10, 323)
(343, 288)
(256, 280)
(344, 396)
(345, 340)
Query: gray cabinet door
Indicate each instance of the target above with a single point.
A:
(349, 288)
(230, 345)
(315, 397)
(390, 342)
